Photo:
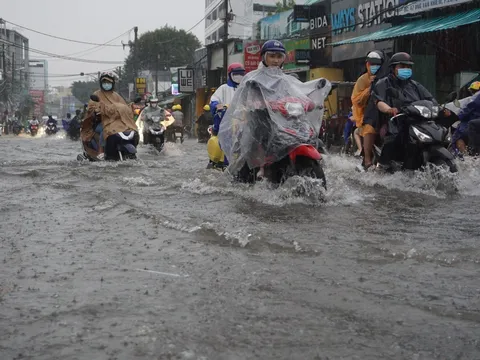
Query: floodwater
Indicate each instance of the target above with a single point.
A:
(162, 259)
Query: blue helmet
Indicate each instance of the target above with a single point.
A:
(273, 46)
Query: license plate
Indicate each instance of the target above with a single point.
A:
(178, 134)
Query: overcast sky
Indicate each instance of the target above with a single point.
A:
(96, 21)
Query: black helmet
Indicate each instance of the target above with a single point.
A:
(375, 57)
(401, 58)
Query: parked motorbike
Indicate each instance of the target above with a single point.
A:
(154, 126)
(425, 141)
(120, 146)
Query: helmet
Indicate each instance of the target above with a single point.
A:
(273, 46)
(179, 107)
(108, 76)
(174, 107)
(236, 68)
(375, 58)
(401, 58)
(153, 99)
(206, 108)
(474, 86)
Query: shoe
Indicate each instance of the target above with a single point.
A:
(357, 153)
(101, 157)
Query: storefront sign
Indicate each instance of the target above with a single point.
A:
(352, 18)
(425, 5)
(291, 46)
(252, 55)
(185, 80)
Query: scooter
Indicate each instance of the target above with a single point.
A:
(154, 128)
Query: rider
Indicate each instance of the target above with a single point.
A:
(360, 96)
(93, 126)
(178, 116)
(400, 79)
(51, 121)
(203, 122)
(471, 114)
(224, 94)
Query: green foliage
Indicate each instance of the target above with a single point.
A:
(83, 89)
(285, 5)
(165, 47)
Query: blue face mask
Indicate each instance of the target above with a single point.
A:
(107, 86)
(374, 69)
(404, 74)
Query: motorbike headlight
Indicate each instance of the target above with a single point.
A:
(294, 109)
(421, 136)
(424, 111)
(156, 119)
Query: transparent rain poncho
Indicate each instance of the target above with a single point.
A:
(271, 114)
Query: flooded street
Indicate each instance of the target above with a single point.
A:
(162, 259)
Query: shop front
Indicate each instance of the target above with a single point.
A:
(297, 60)
(443, 42)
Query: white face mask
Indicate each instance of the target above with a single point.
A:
(237, 78)
(107, 86)
(153, 105)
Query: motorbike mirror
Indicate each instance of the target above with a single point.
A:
(321, 84)
(457, 103)
(394, 93)
(94, 98)
(452, 96)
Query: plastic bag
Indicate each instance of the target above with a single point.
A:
(270, 115)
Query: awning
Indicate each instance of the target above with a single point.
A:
(418, 27)
(171, 99)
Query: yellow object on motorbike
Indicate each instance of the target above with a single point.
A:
(215, 153)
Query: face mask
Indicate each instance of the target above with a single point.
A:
(237, 78)
(153, 105)
(107, 86)
(404, 74)
(374, 69)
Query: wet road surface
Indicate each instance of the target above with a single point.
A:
(163, 259)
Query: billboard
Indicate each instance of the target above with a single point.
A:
(38, 96)
(251, 54)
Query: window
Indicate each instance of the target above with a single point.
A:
(214, 15)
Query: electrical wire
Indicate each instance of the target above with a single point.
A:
(41, 52)
(58, 37)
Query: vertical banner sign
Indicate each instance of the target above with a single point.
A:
(185, 80)
(252, 55)
(141, 85)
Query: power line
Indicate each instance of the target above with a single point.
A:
(41, 52)
(187, 31)
(91, 50)
(58, 37)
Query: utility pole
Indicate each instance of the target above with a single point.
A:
(225, 38)
(135, 59)
(13, 71)
(156, 76)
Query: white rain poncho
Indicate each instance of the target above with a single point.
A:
(270, 115)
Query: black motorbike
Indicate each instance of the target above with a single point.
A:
(154, 126)
(16, 128)
(422, 139)
(51, 129)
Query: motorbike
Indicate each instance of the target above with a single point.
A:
(276, 123)
(51, 129)
(16, 128)
(33, 129)
(424, 142)
(120, 146)
(154, 126)
(72, 129)
(175, 134)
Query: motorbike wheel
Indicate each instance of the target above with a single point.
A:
(446, 164)
(310, 168)
(145, 138)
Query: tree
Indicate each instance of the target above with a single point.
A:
(164, 47)
(83, 89)
(285, 5)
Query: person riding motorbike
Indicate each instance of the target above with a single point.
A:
(203, 122)
(400, 78)
(360, 97)
(224, 94)
(102, 120)
(51, 121)
(177, 126)
(469, 127)
(74, 125)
